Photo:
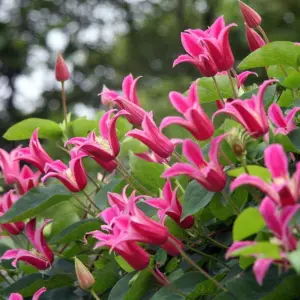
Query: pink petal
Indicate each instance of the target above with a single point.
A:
(193, 153)
(214, 50)
(237, 245)
(38, 293)
(217, 27)
(259, 103)
(78, 170)
(290, 118)
(184, 58)
(242, 77)
(179, 102)
(15, 296)
(126, 85)
(276, 116)
(180, 169)
(260, 268)
(133, 96)
(167, 121)
(190, 45)
(214, 150)
(103, 123)
(167, 191)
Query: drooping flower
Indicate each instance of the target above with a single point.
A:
(250, 113)
(84, 276)
(209, 174)
(27, 179)
(61, 70)
(283, 190)
(6, 202)
(9, 166)
(73, 176)
(255, 41)
(105, 147)
(152, 137)
(108, 96)
(36, 296)
(169, 205)
(35, 154)
(41, 257)
(195, 119)
(251, 17)
(129, 101)
(242, 77)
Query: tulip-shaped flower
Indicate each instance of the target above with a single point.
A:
(105, 147)
(61, 70)
(129, 101)
(9, 166)
(195, 119)
(169, 205)
(6, 202)
(209, 174)
(250, 113)
(73, 176)
(84, 276)
(35, 154)
(152, 137)
(41, 257)
(278, 223)
(36, 295)
(27, 179)
(251, 17)
(255, 41)
(284, 190)
(284, 124)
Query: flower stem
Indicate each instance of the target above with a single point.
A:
(94, 294)
(230, 202)
(214, 242)
(91, 200)
(64, 101)
(263, 33)
(218, 89)
(232, 85)
(177, 156)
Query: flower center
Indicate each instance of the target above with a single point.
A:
(70, 175)
(103, 143)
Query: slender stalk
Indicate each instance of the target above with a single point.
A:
(91, 200)
(180, 186)
(263, 33)
(93, 181)
(94, 294)
(83, 206)
(230, 163)
(231, 203)
(192, 263)
(218, 90)
(214, 242)
(177, 156)
(64, 101)
(236, 76)
(232, 85)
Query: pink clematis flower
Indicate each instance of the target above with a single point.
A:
(36, 295)
(41, 257)
(73, 177)
(129, 101)
(35, 154)
(284, 190)
(169, 205)
(10, 168)
(102, 148)
(195, 119)
(284, 124)
(152, 137)
(250, 113)
(27, 179)
(255, 41)
(6, 202)
(209, 174)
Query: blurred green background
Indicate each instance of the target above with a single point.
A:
(103, 41)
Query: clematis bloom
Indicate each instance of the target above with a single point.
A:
(9, 166)
(61, 70)
(41, 257)
(36, 295)
(209, 174)
(27, 179)
(195, 119)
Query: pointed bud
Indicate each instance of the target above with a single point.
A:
(61, 69)
(84, 276)
(255, 41)
(251, 17)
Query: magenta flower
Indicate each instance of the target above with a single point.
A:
(284, 190)
(27, 179)
(255, 41)
(41, 257)
(73, 176)
(102, 148)
(169, 205)
(151, 156)
(9, 166)
(35, 154)
(61, 69)
(250, 113)
(284, 124)
(209, 174)
(242, 77)
(195, 119)
(36, 296)
(152, 137)
(129, 101)
(6, 202)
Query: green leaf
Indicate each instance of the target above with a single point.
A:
(286, 99)
(218, 209)
(76, 231)
(254, 170)
(133, 145)
(124, 264)
(294, 258)
(24, 129)
(245, 261)
(172, 264)
(286, 142)
(207, 89)
(123, 126)
(195, 198)
(35, 201)
(160, 257)
(120, 289)
(292, 81)
(175, 229)
(283, 53)
(294, 137)
(60, 294)
(249, 222)
(82, 126)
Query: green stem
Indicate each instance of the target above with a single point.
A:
(232, 85)
(218, 89)
(91, 200)
(64, 101)
(263, 34)
(94, 294)
(214, 242)
(231, 203)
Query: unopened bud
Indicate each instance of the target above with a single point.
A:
(84, 276)
(251, 17)
(61, 70)
(238, 140)
(255, 41)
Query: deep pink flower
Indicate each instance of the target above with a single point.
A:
(169, 205)
(6, 202)
(36, 296)
(284, 124)
(73, 177)
(284, 190)
(35, 154)
(41, 257)
(27, 179)
(250, 113)
(195, 119)
(209, 174)
(61, 70)
(129, 101)
(102, 148)
(152, 137)
(255, 41)
(151, 156)
(9, 166)
(251, 17)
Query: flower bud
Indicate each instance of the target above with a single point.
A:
(255, 41)
(61, 70)
(84, 276)
(251, 17)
